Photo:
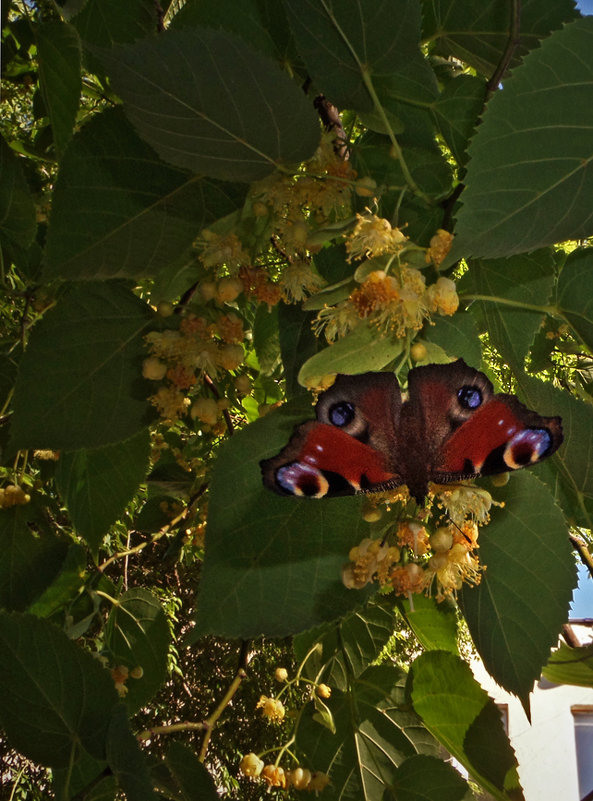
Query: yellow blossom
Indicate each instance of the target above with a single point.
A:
(450, 569)
(369, 560)
(281, 674)
(373, 236)
(318, 782)
(439, 246)
(271, 708)
(299, 778)
(298, 280)
(408, 579)
(466, 501)
(414, 535)
(218, 250)
(442, 296)
(274, 776)
(251, 765)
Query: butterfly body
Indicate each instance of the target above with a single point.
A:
(366, 438)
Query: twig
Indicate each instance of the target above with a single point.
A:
(512, 42)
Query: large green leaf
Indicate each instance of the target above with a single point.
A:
(17, 212)
(126, 760)
(457, 336)
(571, 666)
(61, 699)
(243, 19)
(139, 216)
(434, 624)
(342, 43)
(363, 349)
(297, 343)
(425, 778)
(96, 484)
(137, 636)
(183, 777)
(515, 613)
(273, 564)
(509, 287)
(59, 53)
(30, 562)
(530, 175)
(575, 294)
(235, 118)
(456, 111)
(478, 33)
(80, 383)
(465, 720)
(346, 648)
(376, 732)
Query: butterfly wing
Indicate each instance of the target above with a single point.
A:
(474, 431)
(351, 447)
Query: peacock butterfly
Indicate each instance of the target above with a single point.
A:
(366, 439)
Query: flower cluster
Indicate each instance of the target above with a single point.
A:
(275, 776)
(13, 495)
(422, 559)
(395, 299)
(272, 708)
(180, 356)
(120, 674)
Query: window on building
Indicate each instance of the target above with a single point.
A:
(583, 732)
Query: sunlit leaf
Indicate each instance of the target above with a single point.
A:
(465, 720)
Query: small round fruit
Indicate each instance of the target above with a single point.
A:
(418, 352)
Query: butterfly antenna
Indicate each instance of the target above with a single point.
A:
(463, 534)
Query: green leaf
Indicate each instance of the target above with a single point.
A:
(375, 733)
(575, 294)
(60, 698)
(456, 112)
(243, 19)
(526, 279)
(529, 177)
(80, 383)
(66, 586)
(571, 666)
(266, 338)
(465, 720)
(273, 564)
(425, 778)
(434, 624)
(515, 613)
(126, 760)
(236, 118)
(97, 484)
(137, 635)
(347, 647)
(344, 43)
(141, 214)
(297, 343)
(478, 34)
(182, 776)
(17, 211)
(59, 53)
(362, 350)
(457, 336)
(105, 23)
(30, 562)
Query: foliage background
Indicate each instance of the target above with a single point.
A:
(151, 157)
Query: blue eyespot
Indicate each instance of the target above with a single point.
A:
(469, 397)
(342, 413)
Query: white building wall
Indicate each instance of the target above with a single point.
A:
(546, 750)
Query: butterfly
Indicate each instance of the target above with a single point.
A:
(452, 427)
